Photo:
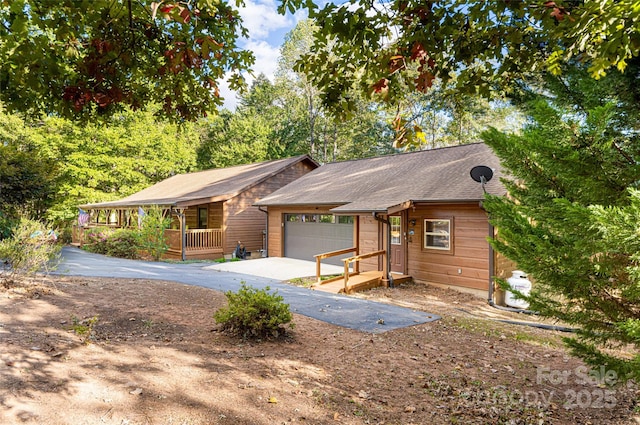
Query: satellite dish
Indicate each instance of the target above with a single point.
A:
(481, 174)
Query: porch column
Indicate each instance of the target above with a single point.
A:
(183, 234)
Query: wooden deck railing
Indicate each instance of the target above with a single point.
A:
(196, 239)
(356, 259)
(324, 255)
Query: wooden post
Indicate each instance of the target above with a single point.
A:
(356, 267)
(183, 234)
(319, 281)
(346, 275)
(385, 270)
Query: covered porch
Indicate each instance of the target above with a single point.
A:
(199, 244)
(184, 243)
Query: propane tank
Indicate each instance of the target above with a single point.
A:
(519, 282)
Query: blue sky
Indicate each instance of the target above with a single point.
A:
(267, 29)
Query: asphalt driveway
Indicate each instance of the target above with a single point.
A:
(341, 310)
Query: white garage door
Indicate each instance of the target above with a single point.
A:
(306, 235)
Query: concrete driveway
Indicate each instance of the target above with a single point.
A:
(278, 268)
(340, 310)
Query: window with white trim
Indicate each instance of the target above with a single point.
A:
(437, 234)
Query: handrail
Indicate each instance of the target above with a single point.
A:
(356, 259)
(196, 239)
(324, 255)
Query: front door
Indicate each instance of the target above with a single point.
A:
(398, 242)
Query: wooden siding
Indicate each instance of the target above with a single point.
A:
(214, 216)
(369, 242)
(191, 217)
(467, 264)
(246, 223)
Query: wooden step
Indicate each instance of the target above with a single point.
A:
(358, 282)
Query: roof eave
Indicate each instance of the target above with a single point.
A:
(116, 205)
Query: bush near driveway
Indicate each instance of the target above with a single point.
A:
(254, 313)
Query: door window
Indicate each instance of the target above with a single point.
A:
(396, 230)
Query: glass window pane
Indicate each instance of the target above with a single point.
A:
(396, 230)
(345, 219)
(437, 234)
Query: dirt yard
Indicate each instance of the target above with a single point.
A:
(155, 356)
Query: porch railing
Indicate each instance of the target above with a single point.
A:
(196, 239)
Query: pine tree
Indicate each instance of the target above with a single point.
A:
(572, 217)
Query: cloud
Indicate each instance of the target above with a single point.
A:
(266, 63)
(267, 29)
(261, 18)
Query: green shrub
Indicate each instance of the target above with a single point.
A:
(65, 236)
(6, 226)
(152, 237)
(84, 328)
(122, 243)
(30, 249)
(254, 313)
(95, 239)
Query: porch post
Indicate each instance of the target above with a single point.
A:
(183, 234)
(183, 225)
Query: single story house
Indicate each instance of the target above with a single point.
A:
(211, 210)
(416, 215)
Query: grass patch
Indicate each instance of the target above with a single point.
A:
(310, 280)
(188, 261)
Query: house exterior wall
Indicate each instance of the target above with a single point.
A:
(466, 265)
(214, 216)
(246, 223)
(369, 241)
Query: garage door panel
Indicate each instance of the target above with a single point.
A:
(303, 240)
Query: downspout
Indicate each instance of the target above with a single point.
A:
(386, 221)
(266, 234)
(491, 266)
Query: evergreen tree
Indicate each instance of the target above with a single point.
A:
(571, 217)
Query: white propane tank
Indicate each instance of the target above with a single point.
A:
(519, 282)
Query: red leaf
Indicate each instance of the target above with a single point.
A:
(396, 63)
(417, 51)
(185, 15)
(102, 99)
(558, 13)
(380, 85)
(424, 81)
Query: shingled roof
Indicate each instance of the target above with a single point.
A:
(217, 184)
(388, 183)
